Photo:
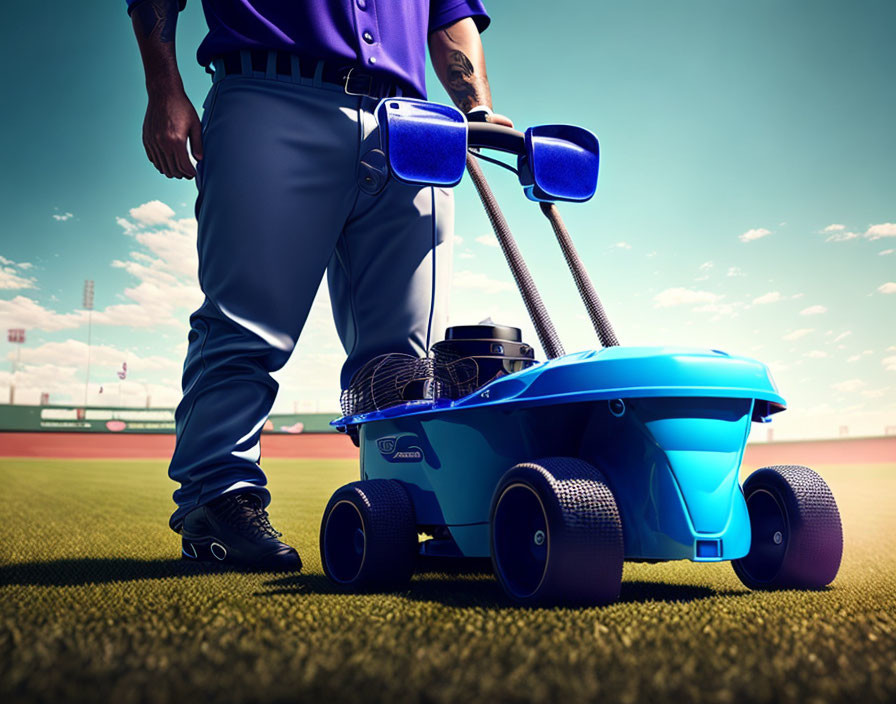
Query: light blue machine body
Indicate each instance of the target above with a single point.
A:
(666, 426)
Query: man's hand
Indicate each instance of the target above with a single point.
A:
(459, 61)
(170, 120)
(499, 120)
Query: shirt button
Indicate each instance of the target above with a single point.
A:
(368, 37)
(362, 4)
(371, 60)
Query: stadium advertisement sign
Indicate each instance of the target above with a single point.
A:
(134, 420)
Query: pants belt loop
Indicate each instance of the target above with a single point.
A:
(271, 68)
(219, 72)
(245, 62)
(295, 71)
(318, 73)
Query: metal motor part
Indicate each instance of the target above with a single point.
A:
(471, 356)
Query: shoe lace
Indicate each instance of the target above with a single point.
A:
(246, 513)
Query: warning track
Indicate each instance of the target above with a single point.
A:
(337, 446)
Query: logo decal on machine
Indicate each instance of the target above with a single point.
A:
(402, 448)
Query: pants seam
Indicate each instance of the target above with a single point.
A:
(345, 261)
(202, 371)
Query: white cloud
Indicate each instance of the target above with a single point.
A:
(62, 217)
(74, 353)
(770, 297)
(155, 212)
(885, 252)
(843, 336)
(10, 279)
(754, 234)
(25, 313)
(834, 228)
(886, 229)
(704, 268)
(816, 354)
(813, 310)
(797, 334)
(874, 393)
(480, 282)
(888, 287)
(889, 363)
(848, 386)
(488, 240)
(466, 254)
(621, 245)
(735, 271)
(164, 268)
(684, 296)
(842, 237)
(65, 384)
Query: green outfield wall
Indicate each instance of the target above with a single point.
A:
(134, 420)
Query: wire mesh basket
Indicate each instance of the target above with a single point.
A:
(470, 357)
(387, 380)
(392, 379)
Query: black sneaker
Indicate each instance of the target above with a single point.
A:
(235, 530)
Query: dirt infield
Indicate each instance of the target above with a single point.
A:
(338, 446)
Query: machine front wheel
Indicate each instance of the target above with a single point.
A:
(796, 534)
(368, 536)
(556, 534)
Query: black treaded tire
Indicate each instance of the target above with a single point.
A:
(556, 534)
(368, 536)
(797, 537)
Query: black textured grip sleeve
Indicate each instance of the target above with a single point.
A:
(583, 282)
(544, 328)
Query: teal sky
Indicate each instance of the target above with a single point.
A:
(716, 119)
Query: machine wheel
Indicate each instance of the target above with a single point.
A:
(556, 534)
(368, 536)
(797, 538)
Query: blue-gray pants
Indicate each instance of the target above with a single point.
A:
(281, 200)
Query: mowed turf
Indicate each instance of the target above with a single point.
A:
(96, 606)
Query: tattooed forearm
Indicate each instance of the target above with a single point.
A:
(459, 62)
(465, 87)
(156, 19)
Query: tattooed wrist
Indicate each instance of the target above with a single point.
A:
(463, 85)
(156, 19)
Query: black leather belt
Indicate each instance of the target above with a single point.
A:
(351, 79)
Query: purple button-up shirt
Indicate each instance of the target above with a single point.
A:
(387, 37)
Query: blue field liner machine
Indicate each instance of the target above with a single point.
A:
(558, 470)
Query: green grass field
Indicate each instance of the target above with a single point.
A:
(97, 606)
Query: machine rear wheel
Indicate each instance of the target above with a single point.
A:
(368, 536)
(556, 534)
(796, 534)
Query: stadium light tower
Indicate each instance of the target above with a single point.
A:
(88, 306)
(17, 337)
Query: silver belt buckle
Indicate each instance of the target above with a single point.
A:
(348, 77)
